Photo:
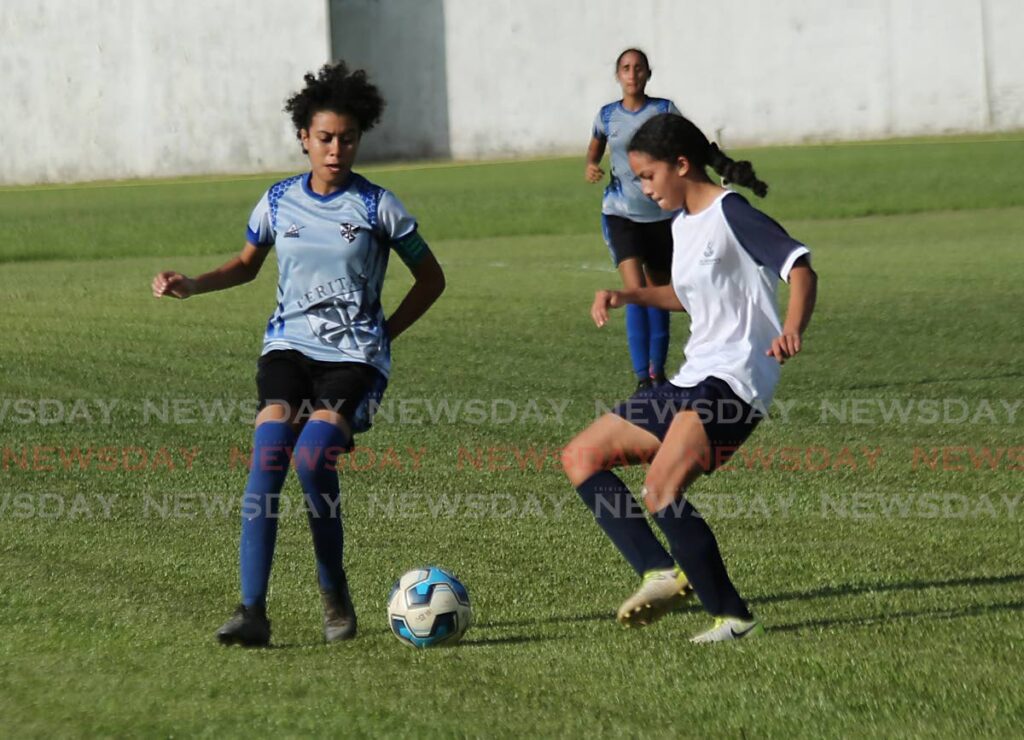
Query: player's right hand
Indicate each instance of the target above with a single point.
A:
(594, 172)
(173, 284)
(603, 300)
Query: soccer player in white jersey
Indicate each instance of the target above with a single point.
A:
(636, 230)
(728, 258)
(327, 346)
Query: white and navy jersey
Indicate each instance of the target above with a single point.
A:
(332, 253)
(726, 264)
(615, 125)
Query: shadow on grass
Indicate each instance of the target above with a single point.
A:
(557, 619)
(510, 640)
(968, 611)
(826, 592)
(867, 588)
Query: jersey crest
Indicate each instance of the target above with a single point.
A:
(349, 231)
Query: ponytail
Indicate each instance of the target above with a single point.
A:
(742, 172)
(668, 136)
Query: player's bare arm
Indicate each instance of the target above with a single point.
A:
(595, 151)
(242, 268)
(803, 292)
(658, 296)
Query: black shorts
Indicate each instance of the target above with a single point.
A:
(304, 385)
(727, 419)
(651, 243)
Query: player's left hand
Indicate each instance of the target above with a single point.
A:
(784, 346)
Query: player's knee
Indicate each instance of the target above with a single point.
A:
(662, 486)
(274, 412)
(578, 464)
(658, 491)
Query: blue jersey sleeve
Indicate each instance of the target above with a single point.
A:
(602, 121)
(260, 232)
(761, 236)
(394, 221)
(672, 108)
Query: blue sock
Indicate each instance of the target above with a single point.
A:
(657, 321)
(638, 336)
(695, 548)
(624, 520)
(271, 449)
(316, 454)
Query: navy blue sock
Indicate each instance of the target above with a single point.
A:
(271, 450)
(316, 455)
(624, 520)
(696, 551)
(638, 336)
(657, 321)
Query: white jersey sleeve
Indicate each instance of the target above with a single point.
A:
(260, 231)
(395, 222)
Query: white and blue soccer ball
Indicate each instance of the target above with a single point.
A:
(428, 607)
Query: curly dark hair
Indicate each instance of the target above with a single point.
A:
(336, 89)
(668, 136)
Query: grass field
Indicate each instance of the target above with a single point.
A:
(875, 523)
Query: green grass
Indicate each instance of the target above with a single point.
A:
(878, 625)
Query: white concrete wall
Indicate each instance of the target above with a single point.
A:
(94, 89)
(401, 45)
(527, 76)
(127, 88)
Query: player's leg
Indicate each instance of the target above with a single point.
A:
(341, 391)
(608, 442)
(280, 381)
(622, 238)
(587, 460)
(685, 455)
(638, 327)
(324, 438)
(658, 271)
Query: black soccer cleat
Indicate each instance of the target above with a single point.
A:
(339, 614)
(248, 627)
(659, 379)
(643, 384)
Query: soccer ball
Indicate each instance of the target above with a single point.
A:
(429, 607)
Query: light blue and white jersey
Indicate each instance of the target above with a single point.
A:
(624, 196)
(332, 253)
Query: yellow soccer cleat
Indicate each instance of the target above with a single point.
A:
(660, 592)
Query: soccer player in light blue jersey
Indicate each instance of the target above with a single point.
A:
(636, 230)
(327, 346)
(728, 258)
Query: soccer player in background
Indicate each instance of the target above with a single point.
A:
(727, 261)
(636, 230)
(327, 347)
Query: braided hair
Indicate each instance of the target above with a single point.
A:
(668, 136)
(333, 88)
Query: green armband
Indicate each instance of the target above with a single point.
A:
(412, 249)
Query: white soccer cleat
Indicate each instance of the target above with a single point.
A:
(730, 628)
(660, 592)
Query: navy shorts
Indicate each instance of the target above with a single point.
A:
(352, 389)
(651, 243)
(727, 419)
